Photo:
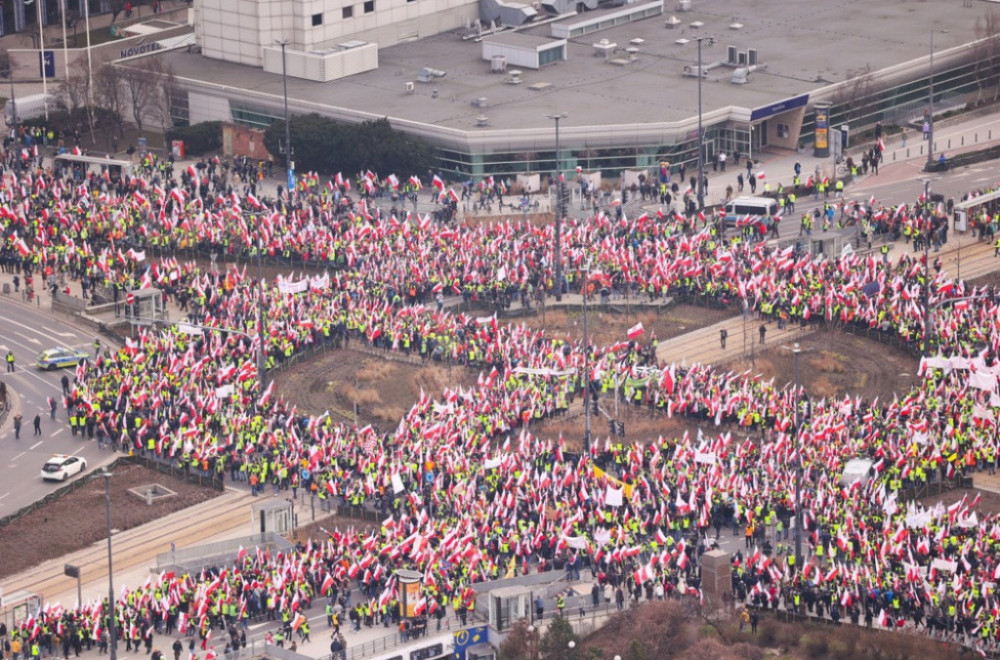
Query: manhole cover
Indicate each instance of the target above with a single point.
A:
(150, 493)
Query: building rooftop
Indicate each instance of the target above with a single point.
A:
(802, 46)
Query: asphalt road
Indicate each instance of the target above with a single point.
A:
(28, 330)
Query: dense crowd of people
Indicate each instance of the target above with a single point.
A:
(467, 493)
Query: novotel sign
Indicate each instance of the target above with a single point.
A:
(141, 49)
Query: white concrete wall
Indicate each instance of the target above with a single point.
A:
(517, 58)
(208, 107)
(323, 67)
(238, 30)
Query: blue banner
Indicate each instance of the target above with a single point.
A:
(466, 639)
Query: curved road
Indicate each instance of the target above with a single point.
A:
(27, 330)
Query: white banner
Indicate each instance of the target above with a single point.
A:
(944, 565)
(972, 520)
(544, 372)
(492, 463)
(293, 287)
(982, 381)
(397, 484)
(224, 391)
(576, 542)
(319, 283)
(613, 497)
(602, 537)
(706, 457)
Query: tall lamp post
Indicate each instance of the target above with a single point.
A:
(261, 360)
(289, 165)
(798, 466)
(926, 236)
(41, 58)
(930, 103)
(586, 364)
(112, 633)
(560, 210)
(701, 133)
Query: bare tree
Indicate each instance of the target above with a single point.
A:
(168, 100)
(142, 81)
(987, 53)
(109, 87)
(857, 92)
(76, 86)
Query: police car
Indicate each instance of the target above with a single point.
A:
(57, 358)
(61, 467)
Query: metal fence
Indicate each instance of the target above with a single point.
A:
(200, 556)
(166, 466)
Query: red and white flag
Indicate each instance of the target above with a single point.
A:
(636, 330)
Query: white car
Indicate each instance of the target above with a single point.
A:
(61, 467)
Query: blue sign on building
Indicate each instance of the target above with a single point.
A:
(779, 107)
(47, 64)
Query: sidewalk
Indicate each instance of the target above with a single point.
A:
(950, 136)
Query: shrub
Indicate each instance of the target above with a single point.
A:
(198, 138)
(65, 121)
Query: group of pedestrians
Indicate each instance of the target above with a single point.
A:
(468, 493)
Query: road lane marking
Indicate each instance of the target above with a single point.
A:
(18, 456)
(70, 335)
(34, 446)
(36, 331)
(4, 495)
(27, 338)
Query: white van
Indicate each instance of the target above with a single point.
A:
(29, 107)
(754, 207)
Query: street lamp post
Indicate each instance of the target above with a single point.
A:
(560, 210)
(289, 165)
(572, 647)
(586, 365)
(701, 134)
(261, 365)
(926, 236)
(930, 103)
(798, 467)
(112, 633)
(41, 59)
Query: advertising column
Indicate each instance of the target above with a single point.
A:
(821, 145)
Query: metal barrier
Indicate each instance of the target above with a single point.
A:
(4, 408)
(221, 551)
(213, 480)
